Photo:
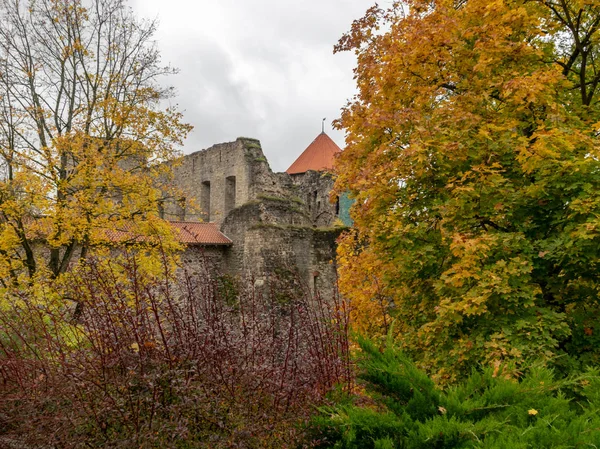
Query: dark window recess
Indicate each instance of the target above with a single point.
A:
(337, 205)
(205, 200)
(229, 193)
(181, 209)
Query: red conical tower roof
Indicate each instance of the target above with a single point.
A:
(320, 155)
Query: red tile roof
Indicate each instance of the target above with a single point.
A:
(192, 233)
(187, 232)
(320, 155)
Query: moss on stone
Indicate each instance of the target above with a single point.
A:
(291, 227)
(267, 226)
(295, 199)
(273, 198)
(300, 211)
(335, 230)
(253, 139)
(250, 143)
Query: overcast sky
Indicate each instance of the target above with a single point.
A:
(257, 68)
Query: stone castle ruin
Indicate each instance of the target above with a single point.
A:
(249, 220)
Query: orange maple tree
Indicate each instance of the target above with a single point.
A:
(472, 153)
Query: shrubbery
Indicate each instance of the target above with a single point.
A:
(146, 359)
(402, 408)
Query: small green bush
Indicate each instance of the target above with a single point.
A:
(402, 408)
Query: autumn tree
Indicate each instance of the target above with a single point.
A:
(473, 155)
(82, 130)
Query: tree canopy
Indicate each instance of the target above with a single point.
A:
(82, 130)
(472, 152)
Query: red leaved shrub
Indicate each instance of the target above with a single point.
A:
(170, 361)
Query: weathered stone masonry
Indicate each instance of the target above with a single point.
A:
(275, 220)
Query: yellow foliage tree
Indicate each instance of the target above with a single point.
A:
(83, 133)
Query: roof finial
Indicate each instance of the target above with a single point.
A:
(323, 125)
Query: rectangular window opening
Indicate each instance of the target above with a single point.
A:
(205, 200)
(181, 208)
(161, 209)
(229, 193)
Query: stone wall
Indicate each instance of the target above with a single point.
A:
(212, 182)
(314, 189)
(218, 179)
(306, 252)
(200, 259)
(264, 211)
(276, 221)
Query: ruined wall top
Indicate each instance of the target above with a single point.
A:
(218, 179)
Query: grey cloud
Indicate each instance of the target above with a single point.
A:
(209, 96)
(258, 68)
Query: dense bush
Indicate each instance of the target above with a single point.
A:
(147, 359)
(404, 409)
